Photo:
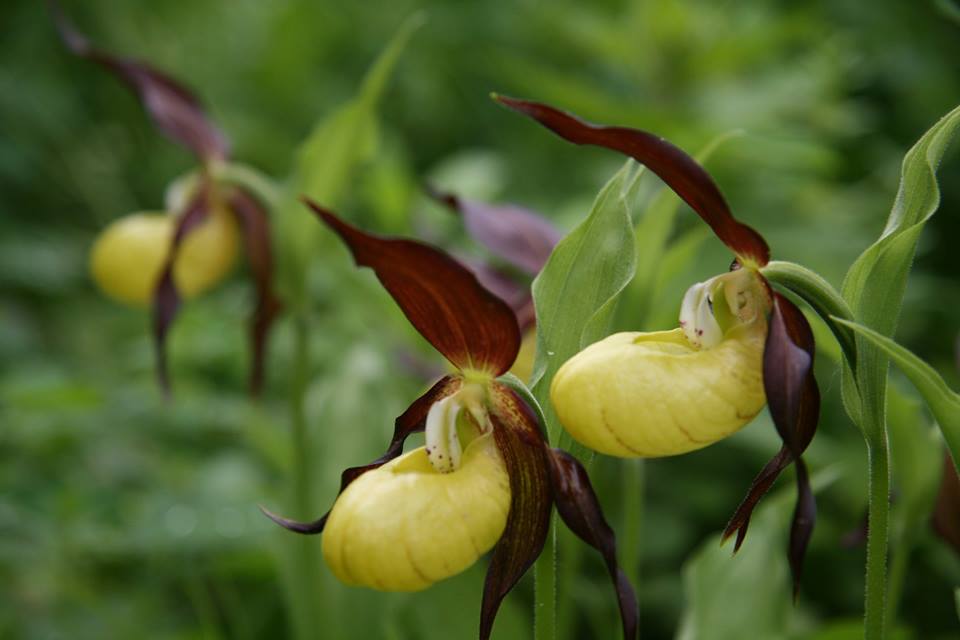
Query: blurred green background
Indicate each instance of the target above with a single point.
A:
(123, 516)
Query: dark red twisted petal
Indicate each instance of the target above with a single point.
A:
(465, 322)
(256, 232)
(681, 172)
(411, 421)
(794, 400)
(580, 509)
(516, 294)
(525, 456)
(521, 237)
(166, 297)
(171, 106)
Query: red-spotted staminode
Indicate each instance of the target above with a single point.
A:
(486, 477)
(740, 345)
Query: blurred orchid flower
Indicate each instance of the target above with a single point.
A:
(486, 477)
(740, 345)
(159, 257)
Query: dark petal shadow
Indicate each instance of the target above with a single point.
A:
(172, 107)
(469, 325)
(411, 421)
(681, 172)
(580, 509)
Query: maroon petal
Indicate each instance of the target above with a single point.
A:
(794, 401)
(256, 231)
(520, 236)
(166, 298)
(470, 326)
(411, 421)
(580, 509)
(524, 453)
(681, 172)
(946, 512)
(171, 106)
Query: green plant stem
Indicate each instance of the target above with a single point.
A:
(545, 588)
(632, 495)
(878, 537)
(304, 587)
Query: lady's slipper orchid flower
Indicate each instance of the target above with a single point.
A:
(740, 345)
(156, 258)
(486, 477)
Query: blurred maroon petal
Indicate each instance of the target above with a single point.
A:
(524, 453)
(411, 421)
(519, 236)
(517, 295)
(761, 484)
(470, 326)
(171, 106)
(946, 512)
(256, 231)
(580, 509)
(681, 172)
(801, 528)
(166, 298)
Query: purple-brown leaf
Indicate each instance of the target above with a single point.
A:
(411, 421)
(525, 456)
(580, 509)
(171, 106)
(256, 232)
(166, 297)
(519, 236)
(681, 172)
(470, 326)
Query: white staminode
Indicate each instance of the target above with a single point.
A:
(696, 316)
(443, 442)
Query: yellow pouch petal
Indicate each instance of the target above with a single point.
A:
(653, 394)
(404, 526)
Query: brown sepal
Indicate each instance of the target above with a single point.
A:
(171, 106)
(794, 400)
(580, 509)
(410, 421)
(516, 294)
(680, 171)
(166, 297)
(521, 237)
(470, 326)
(946, 512)
(256, 233)
(525, 456)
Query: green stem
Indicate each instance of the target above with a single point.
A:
(545, 588)
(632, 495)
(304, 588)
(820, 295)
(878, 536)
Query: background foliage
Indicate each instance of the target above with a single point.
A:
(122, 516)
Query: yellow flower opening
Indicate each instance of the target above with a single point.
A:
(406, 525)
(128, 256)
(664, 393)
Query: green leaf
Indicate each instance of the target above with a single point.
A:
(943, 402)
(875, 283)
(577, 289)
(328, 158)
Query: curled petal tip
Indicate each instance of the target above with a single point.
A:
(306, 528)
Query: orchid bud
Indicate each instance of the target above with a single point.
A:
(406, 525)
(127, 257)
(669, 392)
